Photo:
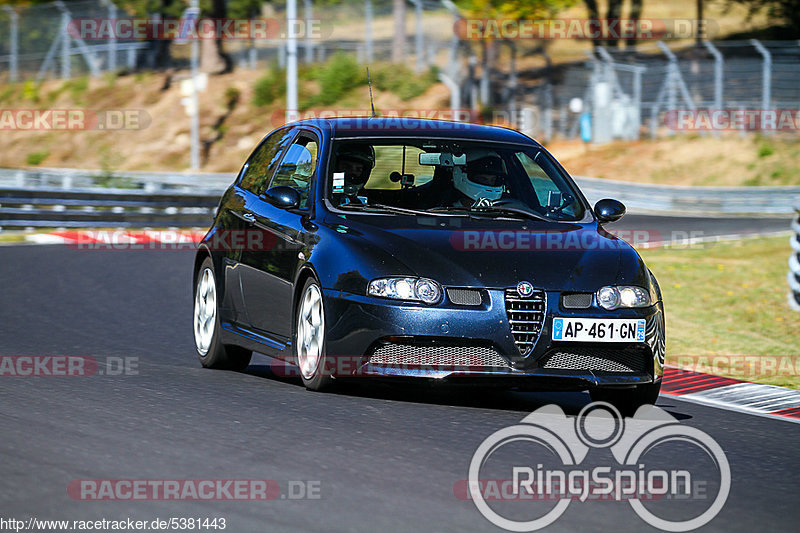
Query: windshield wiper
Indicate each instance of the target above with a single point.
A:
(489, 210)
(382, 207)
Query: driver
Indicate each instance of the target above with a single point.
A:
(483, 180)
(357, 162)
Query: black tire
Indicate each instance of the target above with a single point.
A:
(627, 401)
(215, 355)
(321, 379)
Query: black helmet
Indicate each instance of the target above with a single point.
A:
(364, 154)
(360, 152)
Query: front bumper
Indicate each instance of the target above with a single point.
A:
(358, 325)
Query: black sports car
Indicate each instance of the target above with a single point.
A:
(428, 249)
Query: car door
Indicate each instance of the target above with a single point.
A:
(268, 273)
(237, 219)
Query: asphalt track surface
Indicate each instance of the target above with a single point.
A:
(386, 457)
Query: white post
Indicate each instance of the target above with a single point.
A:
(112, 46)
(368, 29)
(291, 61)
(65, 47)
(718, 71)
(195, 124)
(766, 74)
(455, 93)
(13, 72)
(308, 11)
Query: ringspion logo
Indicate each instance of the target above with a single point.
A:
(541, 459)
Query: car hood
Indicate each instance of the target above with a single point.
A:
(460, 251)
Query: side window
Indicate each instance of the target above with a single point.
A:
(541, 182)
(298, 167)
(264, 160)
(548, 191)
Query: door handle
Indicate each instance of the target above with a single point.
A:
(249, 217)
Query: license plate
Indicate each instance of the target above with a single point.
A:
(598, 330)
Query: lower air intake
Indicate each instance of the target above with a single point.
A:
(597, 359)
(436, 355)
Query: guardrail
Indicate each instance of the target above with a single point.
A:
(69, 178)
(793, 276)
(53, 197)
(49, 207)
(689, 200)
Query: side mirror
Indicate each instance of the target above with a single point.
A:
(608, 210)
(283, 197)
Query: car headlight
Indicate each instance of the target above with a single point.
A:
(413, 289)
(625, 296)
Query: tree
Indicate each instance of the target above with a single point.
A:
(505, 9)
(614, 12)
(787, 11)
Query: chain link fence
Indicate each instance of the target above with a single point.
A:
(652, 90)
(660, 91)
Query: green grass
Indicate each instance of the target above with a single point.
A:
(37, 158)
(729, 299)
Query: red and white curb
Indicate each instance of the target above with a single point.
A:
(732, 394)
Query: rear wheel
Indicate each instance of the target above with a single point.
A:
(309, 345)
(627, 401)
(207, 341)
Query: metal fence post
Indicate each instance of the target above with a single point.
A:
(112, 45)
(766, 74)
(793, 277)
(308, 12)
(65, 46)
(718, 73)
(13, 45)
(291, 62)
(673, 83)
(194, 149)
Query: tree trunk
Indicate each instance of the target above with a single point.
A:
(613, 14)
(399, 41)
(213, 59)
(594, 14)
(636, 13)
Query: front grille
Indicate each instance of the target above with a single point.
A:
(464, 296)
(525, 316)
(597, 359)
(437, 355)
(577, 300)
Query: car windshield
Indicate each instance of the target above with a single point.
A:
(410, 176)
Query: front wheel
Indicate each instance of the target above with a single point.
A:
(627, 401)
(207, 342)
(309, 345)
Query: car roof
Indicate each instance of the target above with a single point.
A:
(348, 127)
